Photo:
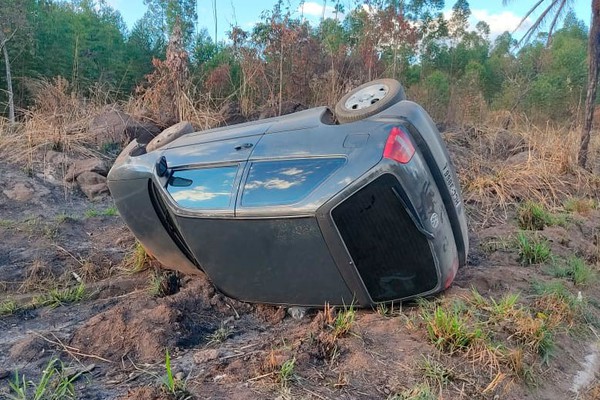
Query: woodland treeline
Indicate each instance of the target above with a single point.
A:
(458, 72)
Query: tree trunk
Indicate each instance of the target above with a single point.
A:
(11, 102)
(280, 73)
(590, 101)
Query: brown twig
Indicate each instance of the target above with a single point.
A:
(72, 351)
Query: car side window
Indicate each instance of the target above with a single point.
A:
(205, 188)
(285, 182)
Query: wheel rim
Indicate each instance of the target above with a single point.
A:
(366, 97)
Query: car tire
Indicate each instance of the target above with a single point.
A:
(368, 99)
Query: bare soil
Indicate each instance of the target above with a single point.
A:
(120, 332)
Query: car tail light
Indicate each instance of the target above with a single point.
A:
(399, 146)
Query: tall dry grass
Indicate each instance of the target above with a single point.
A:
(191, 107)
(58, 120)
(499, 168)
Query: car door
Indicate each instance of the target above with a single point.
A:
(204, 174)
(293, 172)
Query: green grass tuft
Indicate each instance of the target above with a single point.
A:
(7, 223)
(221, 334)
(163, 284)
(109, 212)
(532, 249)
(555, 288)
(58, 297)
(533, 216)
(344, 321)
(54, 384)
(137, 260)
(449, 329)
(576, 270)
(286, 373)
(91, 213)
(8, 307)
(422, 391)
(436, 372)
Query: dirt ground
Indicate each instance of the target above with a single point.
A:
(117, 335)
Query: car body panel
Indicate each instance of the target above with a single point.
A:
(244, 257)
(157, 242)
(214, 152)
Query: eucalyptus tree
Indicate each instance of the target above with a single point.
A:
(554, 10)
(167, 13)
(13, 22)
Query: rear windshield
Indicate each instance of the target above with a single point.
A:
(286, 182)
(206, 188)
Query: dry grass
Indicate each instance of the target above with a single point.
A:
(197, 112)
(592, 393)
(580, 205)
(57, 121)
(546, 170)
(530, 328)
(38, 276)
(136, 260)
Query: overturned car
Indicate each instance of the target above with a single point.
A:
(362, 207)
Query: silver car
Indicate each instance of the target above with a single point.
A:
(361, 207)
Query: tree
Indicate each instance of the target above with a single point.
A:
(166, 13)
(13, 18)
(556, 9)
(11, 102)
(592, 84)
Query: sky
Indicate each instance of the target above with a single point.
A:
(246, 13)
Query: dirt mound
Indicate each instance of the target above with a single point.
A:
(135, 331)
(144, 328)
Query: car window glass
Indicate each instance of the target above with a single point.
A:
(285, 182)
(207, 188)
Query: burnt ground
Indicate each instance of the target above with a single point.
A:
(117, 335)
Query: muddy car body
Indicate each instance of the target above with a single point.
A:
(299, 210)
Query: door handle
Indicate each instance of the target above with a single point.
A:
(243, 146)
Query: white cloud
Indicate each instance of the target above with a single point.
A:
(275, 183)
(314, 9)
(292, 171)
(499, 22)
(196, 194)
